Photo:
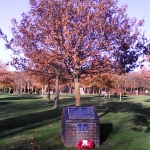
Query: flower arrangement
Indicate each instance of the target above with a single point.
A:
(85, 145)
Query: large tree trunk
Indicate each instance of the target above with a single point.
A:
(42, 91)
(28, 87)
(32, 89)
(56, 99)
(18, 88)
(9, 90)
(77, 91)
(45, 91)
(48, 95)
(24, 89)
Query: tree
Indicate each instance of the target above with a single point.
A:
(82, 37)
(6, 78)
(99, 81)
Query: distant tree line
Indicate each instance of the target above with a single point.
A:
(24, 82)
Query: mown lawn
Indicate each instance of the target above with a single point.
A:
(27, 122)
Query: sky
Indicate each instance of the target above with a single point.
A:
(14, 8)
(10, 9)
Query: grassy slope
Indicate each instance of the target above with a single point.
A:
(26, 121)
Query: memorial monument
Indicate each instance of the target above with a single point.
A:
(79, 126)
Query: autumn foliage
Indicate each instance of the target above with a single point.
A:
(76, 38)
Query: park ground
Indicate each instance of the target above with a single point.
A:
(27, 122)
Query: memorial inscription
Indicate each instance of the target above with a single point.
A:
(81, 113)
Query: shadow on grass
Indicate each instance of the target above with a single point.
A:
(105, 130)
(140, 120)
(96, 100)
(116, 107)
(20, 97)
(148, 100)
(141, 116)
(124, 97)
(29, 121)
(4, 103)
(67, 95)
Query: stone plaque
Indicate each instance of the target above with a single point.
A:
(81, 113)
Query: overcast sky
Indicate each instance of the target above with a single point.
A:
(13, 9)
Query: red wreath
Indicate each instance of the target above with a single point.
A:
(82, 146)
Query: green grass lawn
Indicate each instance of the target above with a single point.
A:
(27, 122)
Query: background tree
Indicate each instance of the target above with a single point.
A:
(99, 82)
(6, 78)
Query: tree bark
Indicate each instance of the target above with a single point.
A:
(24, 89)
(45, 91)
(56, 99)
(18, 88)
(42, 91)
(9, 90)
(77, 91)
(120, 96)
(28, 87)
(48, 95)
